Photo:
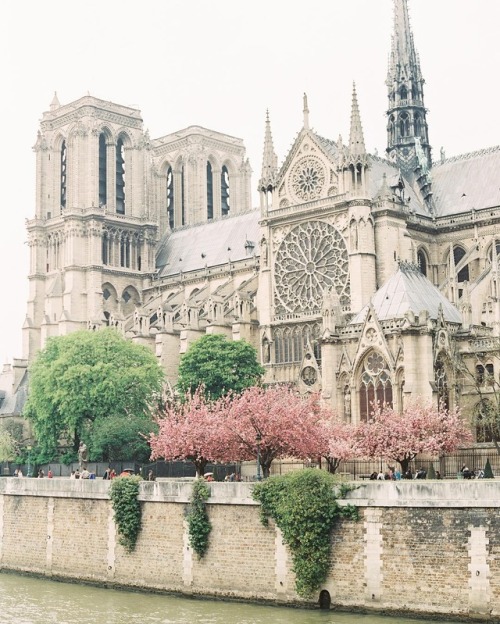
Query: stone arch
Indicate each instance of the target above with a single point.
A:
(423, 260)
(129, 300)
(109, 298)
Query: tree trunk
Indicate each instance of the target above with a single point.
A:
(200, 465)
(333, 464)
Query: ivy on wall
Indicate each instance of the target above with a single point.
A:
(124, 493)
(304, 506)
(197, 518)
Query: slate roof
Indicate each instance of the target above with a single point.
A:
(470, 181)
(409, 290)
(209, 244)
(13, 402)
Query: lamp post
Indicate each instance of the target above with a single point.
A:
(29, 461)
(258, 439)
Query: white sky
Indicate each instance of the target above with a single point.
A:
(220, 65)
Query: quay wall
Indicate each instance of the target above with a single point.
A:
(419, 547)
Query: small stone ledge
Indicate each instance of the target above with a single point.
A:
(443, 494)
(423, 493)
(236, 493)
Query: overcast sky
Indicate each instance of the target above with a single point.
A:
(221, 65)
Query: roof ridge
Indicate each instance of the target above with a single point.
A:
(459, 157)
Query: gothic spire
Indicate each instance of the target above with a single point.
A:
(356, 139)
(404, 61)
(408, 132)
(269, 160)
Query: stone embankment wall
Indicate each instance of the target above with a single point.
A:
(418, 548)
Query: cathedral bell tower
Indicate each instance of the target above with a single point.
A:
(407, 129)
(92, 240)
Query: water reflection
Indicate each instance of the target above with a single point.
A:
(27, 600)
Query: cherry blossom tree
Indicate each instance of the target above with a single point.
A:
(421, 428)
(340, 440)
(194, 430)
(277, 420)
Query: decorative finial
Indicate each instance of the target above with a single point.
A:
(306, 113)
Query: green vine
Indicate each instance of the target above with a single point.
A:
(304, 506)
(197, 518)
(124, 492)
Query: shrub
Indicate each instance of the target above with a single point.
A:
(124, 494)
(304, 506)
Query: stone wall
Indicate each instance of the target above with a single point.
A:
(418, 548)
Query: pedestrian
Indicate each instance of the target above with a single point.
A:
(50, 475)
(41, 474)
(151, 476)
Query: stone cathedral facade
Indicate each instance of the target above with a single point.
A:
(364, 276)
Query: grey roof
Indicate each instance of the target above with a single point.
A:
(209, 244)
(409, 290)
(470, 181)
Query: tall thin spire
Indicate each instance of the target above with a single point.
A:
(356, 139)
(408, 132)
(306, 113)
(269, 160)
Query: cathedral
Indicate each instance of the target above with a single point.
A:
(367, 277)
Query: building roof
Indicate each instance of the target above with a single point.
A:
(467, 182)
(408, 290)
(209, 244)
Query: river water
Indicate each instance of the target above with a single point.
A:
(28, 600)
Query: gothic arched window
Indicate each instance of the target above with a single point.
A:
(170, 198)
(224, 193)
(404, 124)
(375, 384)
(422, 262)
(64, 175)
(458, 254)
(103, 170)
(210, 192)
(120, 177)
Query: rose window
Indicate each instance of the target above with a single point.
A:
(308, 178)
(311, 258)
(375, 363)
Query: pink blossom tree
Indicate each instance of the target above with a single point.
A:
(340, 440)
(421, 428)
(278, 421)
(194, 430)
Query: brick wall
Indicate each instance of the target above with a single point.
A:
(418, 548)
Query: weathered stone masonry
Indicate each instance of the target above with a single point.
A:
(427, 547)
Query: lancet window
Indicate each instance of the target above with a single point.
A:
(225, 206)
(292, 343)
(120, 177)
(170, 198)
(210, 192)
(64, 175)
(103, 170)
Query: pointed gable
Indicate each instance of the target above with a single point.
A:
(408, 290)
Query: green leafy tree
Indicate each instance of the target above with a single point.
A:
(219, 365)
(8, 445)
(115, 438)
(79, 380)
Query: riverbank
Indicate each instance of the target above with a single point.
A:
(425, 548)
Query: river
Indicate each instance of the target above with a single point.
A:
(28, 600)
